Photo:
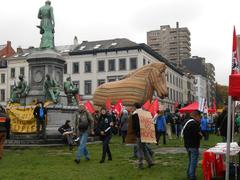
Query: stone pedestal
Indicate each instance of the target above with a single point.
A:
(41, 63)
(57, 116)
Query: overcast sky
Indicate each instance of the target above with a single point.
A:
(209, 21)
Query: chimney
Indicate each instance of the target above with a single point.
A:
(8, 43)
(8, 47)
(19, 50)
(177, 24)
(75, 41)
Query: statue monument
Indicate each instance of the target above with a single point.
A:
(70, 91)
(46, 62)
(46, 69)
(47, 25)
(19, 91)
(51, 89)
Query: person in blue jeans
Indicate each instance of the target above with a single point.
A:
(83, 122)
(204, 127)
(192, 136)
(160, 127)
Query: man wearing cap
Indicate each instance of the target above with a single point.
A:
(83, 123)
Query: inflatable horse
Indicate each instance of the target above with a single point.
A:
(138, 86)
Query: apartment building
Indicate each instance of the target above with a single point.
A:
(172, 43)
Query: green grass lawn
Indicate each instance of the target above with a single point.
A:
(57, 163)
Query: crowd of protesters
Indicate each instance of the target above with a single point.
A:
(106, 123)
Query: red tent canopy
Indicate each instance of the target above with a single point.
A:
(189, 108)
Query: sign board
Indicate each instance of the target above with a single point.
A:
(147, 128)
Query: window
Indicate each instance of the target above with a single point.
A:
(88, 67)
(100, 82)
(173, 95)
(2, 95)
(88, 87)
(2, 78)
(12, 72)
(133, 63)
(122, 64)
(144, 61)
(101, 66)
(170, 97)
(111, 65)
(75, 67)
(65, 68)
(22, 71)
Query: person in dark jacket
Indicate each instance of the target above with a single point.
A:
(142, 149)
(40, 113)
(192, 136)
(105, 125)
(67, 131)
(222, 124)
(4, 129)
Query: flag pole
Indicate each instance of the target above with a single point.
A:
(228, 136)
(233, 119)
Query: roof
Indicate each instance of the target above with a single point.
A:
(60, 49)
(119, 44)
(65, 48)
(23, 53)
(89, 47)
(2, 46)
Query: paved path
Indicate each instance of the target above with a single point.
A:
(172, 150)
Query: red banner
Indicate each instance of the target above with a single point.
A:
(89, 107)
(154, 107)
(108, 104)
(118, 107)
(235, 60)
(147, 105)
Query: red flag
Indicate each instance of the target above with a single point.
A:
(147, 105)
(118, 107)
(108, 104)
(154, 107)
(235, 61)
(214, 105)
(89, 107)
